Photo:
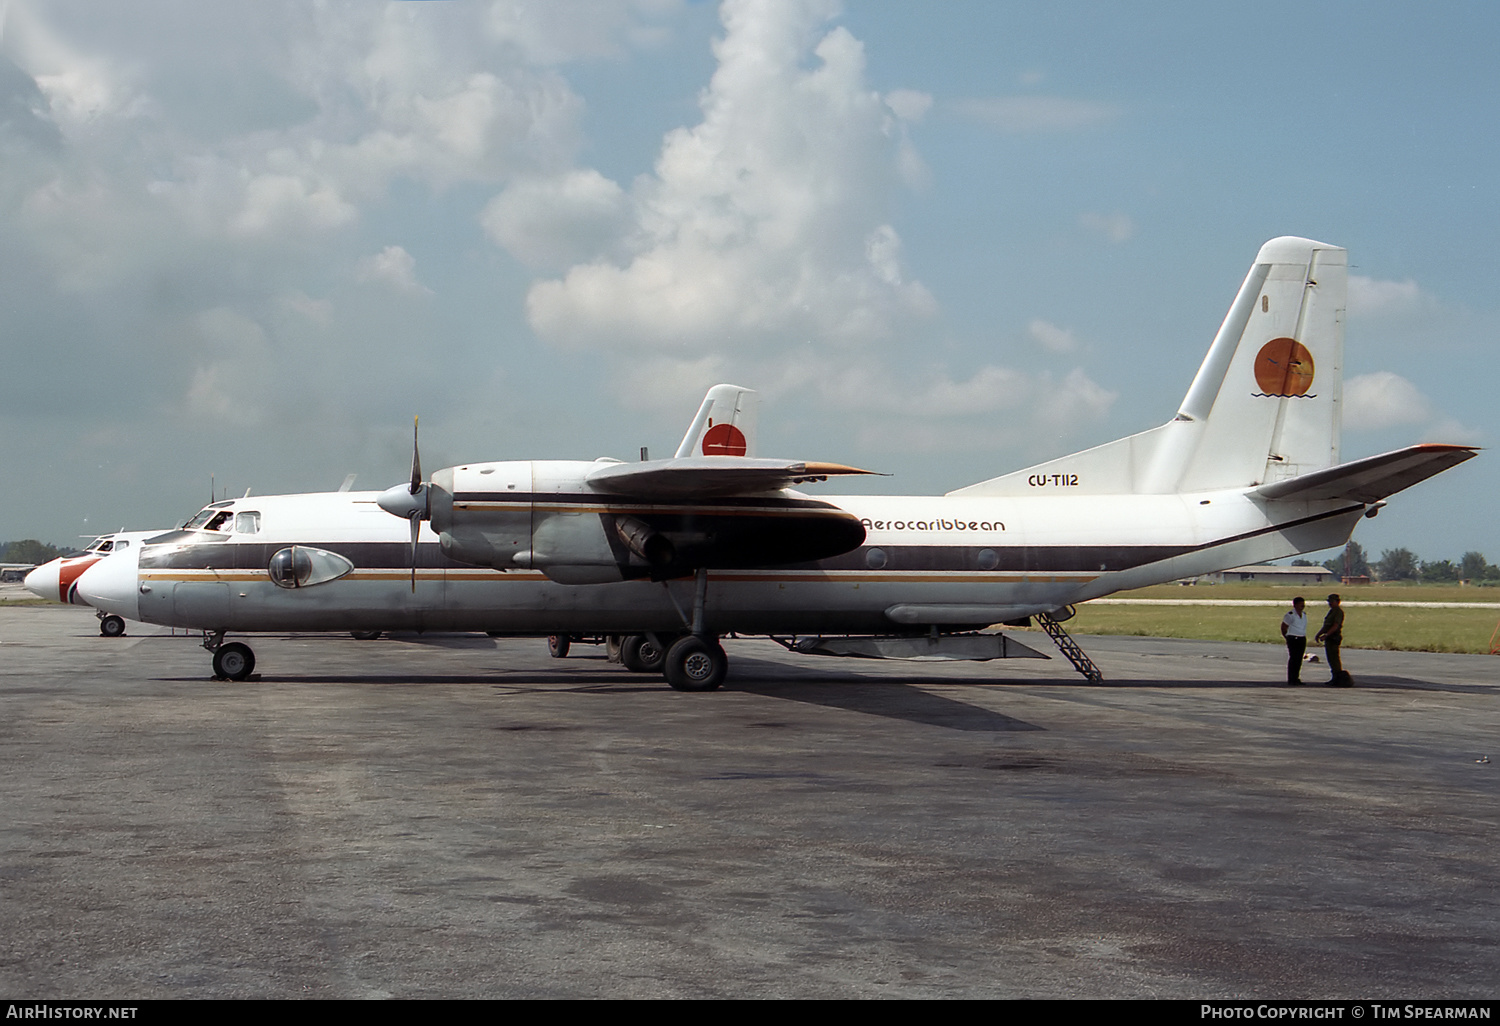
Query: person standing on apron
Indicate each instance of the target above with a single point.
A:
(1332, 635)
(1294, 630)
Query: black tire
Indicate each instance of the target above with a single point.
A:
(364, 635)
(558, 645)
(696, 664)
(112, 626)
(233, 661)
(640, 654)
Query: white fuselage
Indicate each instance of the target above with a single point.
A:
(949, 562)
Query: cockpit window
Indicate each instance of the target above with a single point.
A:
(105, 546)
(199, 520)
(247, 523)
(210, 518)
(122, 544)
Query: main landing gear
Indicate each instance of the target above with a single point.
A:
(111, 626)
(694, 661)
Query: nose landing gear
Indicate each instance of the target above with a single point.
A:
(233, 661)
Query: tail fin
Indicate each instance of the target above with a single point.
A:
(724, 426)
(1265, 405)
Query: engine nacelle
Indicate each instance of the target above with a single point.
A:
(544, 515)
(481, 513)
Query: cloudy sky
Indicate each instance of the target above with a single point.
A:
(251, 240)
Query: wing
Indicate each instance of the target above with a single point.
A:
(710, 476)
(1372, 478)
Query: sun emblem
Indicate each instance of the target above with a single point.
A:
(724, 440)
(1284, 368)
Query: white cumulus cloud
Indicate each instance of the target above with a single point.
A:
(1052, 338)
(1383, 399)
(394, 268)
(550, 222)
(764, 222)
(1373, 297)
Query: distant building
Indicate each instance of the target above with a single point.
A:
(1287, 575)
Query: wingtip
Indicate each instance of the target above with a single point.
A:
(840, 469)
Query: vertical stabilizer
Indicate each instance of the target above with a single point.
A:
(724, 426)
(1265, 405)
(1269, 396)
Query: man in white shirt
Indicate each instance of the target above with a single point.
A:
(1294, 630)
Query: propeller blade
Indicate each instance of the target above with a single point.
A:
(416, 461)
(416, 529)
(409, 501)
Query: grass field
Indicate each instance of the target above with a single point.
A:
(1400, 629)
(1316, 593)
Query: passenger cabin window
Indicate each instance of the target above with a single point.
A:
(247, 523)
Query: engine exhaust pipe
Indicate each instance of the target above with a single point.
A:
(645, 541)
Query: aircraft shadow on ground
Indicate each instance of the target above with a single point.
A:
(834, 688)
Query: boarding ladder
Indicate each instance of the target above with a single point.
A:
(1069, 648)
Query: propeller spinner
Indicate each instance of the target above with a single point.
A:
(409, 501)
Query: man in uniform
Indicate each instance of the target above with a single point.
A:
(1331, 636)
(1294, 630)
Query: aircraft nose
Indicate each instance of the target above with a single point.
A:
(110, 585)
(44, 581)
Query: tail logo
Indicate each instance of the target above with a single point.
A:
(1283, 369)
(724, 440)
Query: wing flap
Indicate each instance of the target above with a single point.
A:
(1372, 478)
(711, 475)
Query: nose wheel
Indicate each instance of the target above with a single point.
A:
(233, 661)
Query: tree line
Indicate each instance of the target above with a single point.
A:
(1403, 565)
(29, 550)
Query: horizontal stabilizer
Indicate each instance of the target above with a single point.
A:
(1373, 478)
(703, 476)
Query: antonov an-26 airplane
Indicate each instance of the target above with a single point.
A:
(670, 555)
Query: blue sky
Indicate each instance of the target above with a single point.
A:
(943, 241)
